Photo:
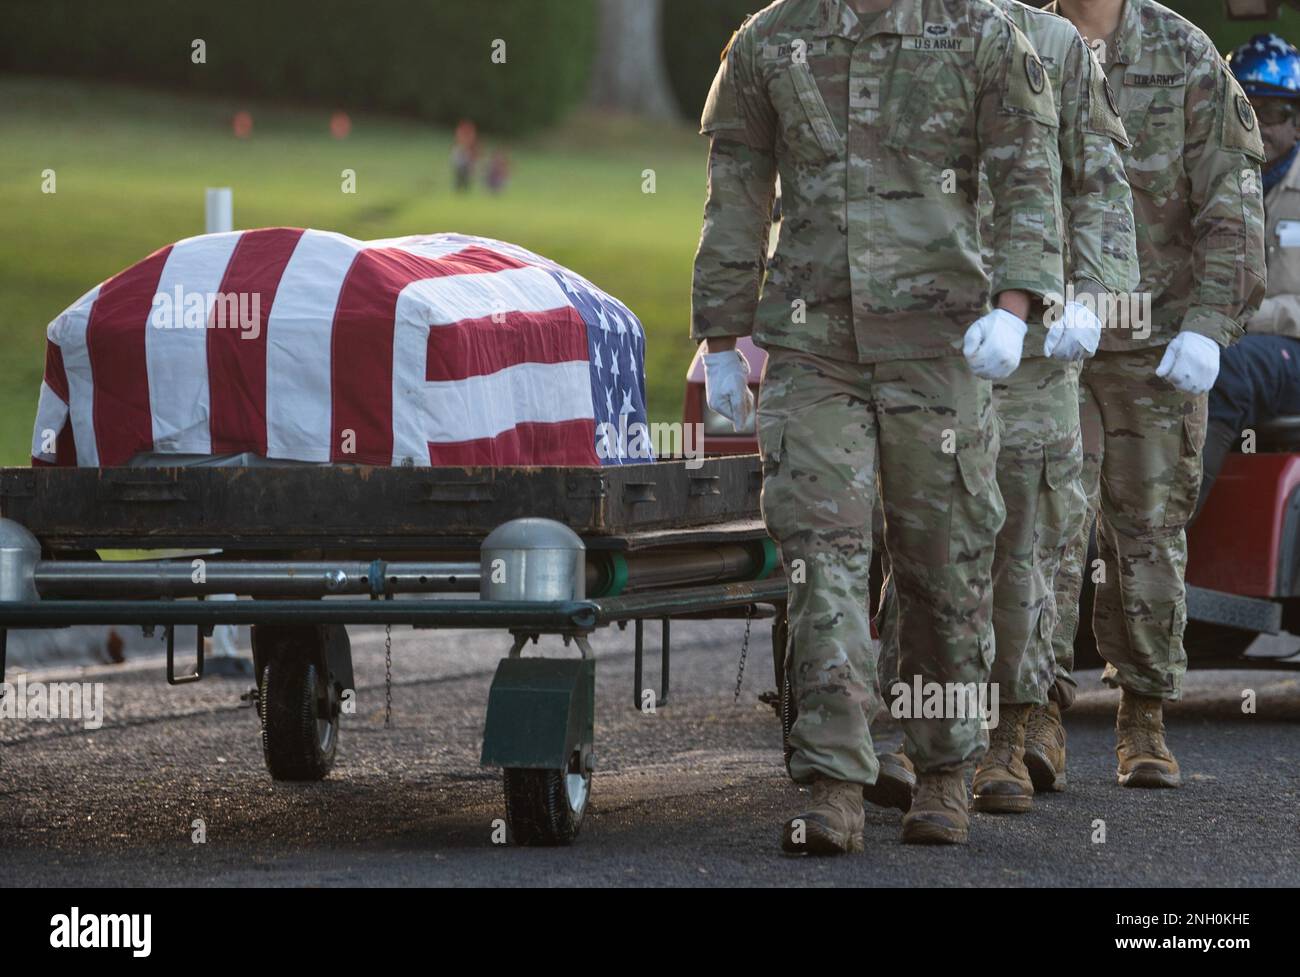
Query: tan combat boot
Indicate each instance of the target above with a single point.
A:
(1002, 784)
(1045, 748)
(940, 813)
(894, 783)
(1144, 759)
(834, 823)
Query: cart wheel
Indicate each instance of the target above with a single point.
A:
(300, 722)
(546, 807)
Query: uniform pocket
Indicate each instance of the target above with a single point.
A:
(920, 128)
(1063, 464)
(1047, 619)
(1155, 111)
(1061, 504)
(976, 512)
(1177, 630)
(1029, 232)
(1185, 476)
(771, 441)
(774, 501)
(814, 117)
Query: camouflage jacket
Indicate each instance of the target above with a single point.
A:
(1194, 168)
(878, 133)
(1099, 242)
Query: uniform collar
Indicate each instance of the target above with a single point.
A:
(1128, 36)
(837, 18)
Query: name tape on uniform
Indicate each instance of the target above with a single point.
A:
(1288, 234)
(1154, 81)
(962, 45)
(774, 52)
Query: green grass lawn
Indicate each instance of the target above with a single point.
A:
(131, 167)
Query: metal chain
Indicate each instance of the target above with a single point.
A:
(744, 651)
(388, 676)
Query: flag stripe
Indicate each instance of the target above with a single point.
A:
(119, 366)
(382, 308)
(487, 406)
(563, 443)
(51, 421)
(176, 343)
(480, 346)
(237, 354)
(68, 333)
(55, 373)
(298, 365)
(447, 301)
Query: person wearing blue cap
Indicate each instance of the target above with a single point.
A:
(1259, 377)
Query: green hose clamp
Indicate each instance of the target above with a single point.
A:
(616, 576)
(770, 559)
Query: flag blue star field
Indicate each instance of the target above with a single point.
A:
(616, 353)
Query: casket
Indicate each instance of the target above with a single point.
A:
(290, 345)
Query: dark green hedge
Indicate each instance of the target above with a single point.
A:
(695, 32)
(431, 58)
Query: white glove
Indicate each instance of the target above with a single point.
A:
(726, 387)
(994, 344)
(1075, 335)
(1191, 363)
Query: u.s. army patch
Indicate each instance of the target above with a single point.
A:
(1104, 117)
(1240, 130)
(1034, 72)
(1245, 113)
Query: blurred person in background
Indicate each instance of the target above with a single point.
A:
(1259, 378)
(464, 156)
(498, 172)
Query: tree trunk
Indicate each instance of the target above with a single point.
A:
(629, 73)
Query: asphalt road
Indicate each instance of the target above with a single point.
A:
(691, 796)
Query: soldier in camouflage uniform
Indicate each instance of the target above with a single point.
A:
(1194, 169)
(1038, 413)
(877, 123)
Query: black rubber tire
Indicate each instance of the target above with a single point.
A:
(290, 705)
(538, 808)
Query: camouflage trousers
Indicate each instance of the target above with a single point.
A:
(1142, 443)
(1038, 468)
(926, 428)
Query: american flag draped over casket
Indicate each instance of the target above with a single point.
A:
(309, 346)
